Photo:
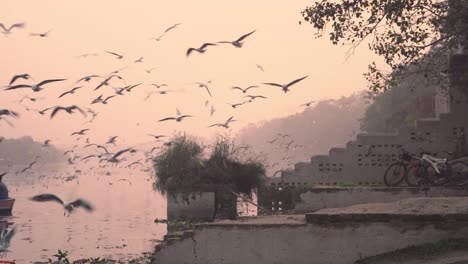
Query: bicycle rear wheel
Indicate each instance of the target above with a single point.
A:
(395, 173)
(417, 176)
(459, 173)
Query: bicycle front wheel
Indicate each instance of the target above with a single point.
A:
(394, 174)
(416, 176)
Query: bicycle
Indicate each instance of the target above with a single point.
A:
(432, 171)
(396, 172)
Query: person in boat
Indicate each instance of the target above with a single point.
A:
(3, 189)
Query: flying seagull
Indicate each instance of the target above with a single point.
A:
(201, 49)
(225, 124)
(19, 76)
(106, 81)
(171, 27)
(5, 238)
(252, 97)
(158, 85)
(260, 67)
(308, 104)
(81, 132)
(114, 159)
(177, 119)
(69, 207)
(238, 104)
(97, 100)
(7, 31)
(87, 78)
(107, 98)
(238, 42)
(244, 90)
(111, 140)
(72, 91)
(202, 85)
(139, 60)
(8, 112)
(156, 136)
(42, 35)
(35, 88)
(285, 87)
(98, 146)
(68, 109)
(150, 70)
(118, 56)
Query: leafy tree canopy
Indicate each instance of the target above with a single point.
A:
(404, 32)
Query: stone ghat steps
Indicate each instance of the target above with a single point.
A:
(363, 140)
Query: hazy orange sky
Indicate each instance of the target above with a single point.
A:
(285, 49)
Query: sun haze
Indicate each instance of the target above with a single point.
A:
(73, 39)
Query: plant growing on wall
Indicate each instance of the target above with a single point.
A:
(185, 168)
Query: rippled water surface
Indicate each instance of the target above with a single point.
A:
(121, 227)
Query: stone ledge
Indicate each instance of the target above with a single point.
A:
(383, 217)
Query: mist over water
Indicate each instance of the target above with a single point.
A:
(121, 227)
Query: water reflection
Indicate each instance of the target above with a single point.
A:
(121, 227)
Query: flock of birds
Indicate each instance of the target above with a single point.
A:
(105, 154)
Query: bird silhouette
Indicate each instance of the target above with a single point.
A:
(177, 119)
(118, 56)
(171, 27)
(114, 159)
(238, 42)
(111, 140)
(139, 60)
(106, 81)
(88, 78)
(202, 85)
(285, 87)
(5, 238)
(81, 132)
(225, 124)
(69, 207)
(36, 87)
(7, 31)
(201, 49)
(72, 91)
(8, 113)
(253, 97)
(308, 104)
(244, 90)
(42, 35)
(19, 76)
(68, 109)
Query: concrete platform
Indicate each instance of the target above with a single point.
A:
(329, 236)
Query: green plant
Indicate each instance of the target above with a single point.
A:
(184, 170)
(347, 184)
(298, 190)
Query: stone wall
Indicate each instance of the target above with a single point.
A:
(321, 198)
(286, 242)
(200, 207)
(364, 160)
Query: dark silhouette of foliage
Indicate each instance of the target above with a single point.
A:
(403, 32)
(182, 168)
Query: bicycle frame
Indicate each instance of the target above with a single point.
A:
(434, 162)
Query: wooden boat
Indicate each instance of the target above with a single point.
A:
(6, 205)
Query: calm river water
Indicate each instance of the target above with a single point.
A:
(122, 226)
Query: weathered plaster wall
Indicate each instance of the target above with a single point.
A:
(300, 243)
(200, 207)
(320, 198)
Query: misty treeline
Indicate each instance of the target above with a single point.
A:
(24, 150)
(332, 123)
